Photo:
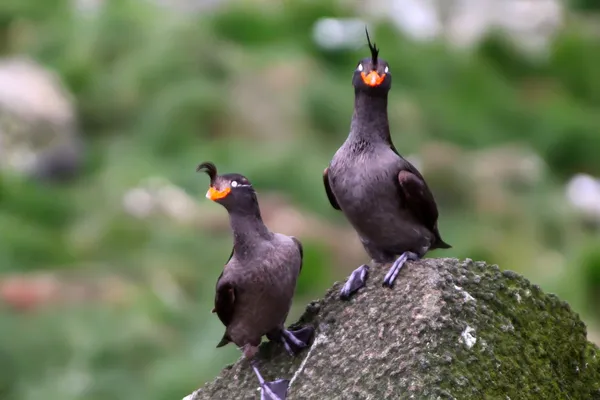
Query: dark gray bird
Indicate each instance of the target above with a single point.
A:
(255, 290)
(381, 194)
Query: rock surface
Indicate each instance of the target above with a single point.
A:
(448, 329)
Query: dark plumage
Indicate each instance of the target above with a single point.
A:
(255, 290)
(382, 195)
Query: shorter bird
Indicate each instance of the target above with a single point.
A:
(255, 290)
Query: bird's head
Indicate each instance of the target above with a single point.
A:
(232, 191)
(372, 74)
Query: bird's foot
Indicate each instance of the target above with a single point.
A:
(357, 279)
(397, 265)
(276, 390)
(295, 341)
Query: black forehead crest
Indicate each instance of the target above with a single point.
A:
(372, 47)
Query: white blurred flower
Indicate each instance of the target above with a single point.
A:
(583, 192)
(336, 33)
(157, 195)
(176, 203)
(138, 202)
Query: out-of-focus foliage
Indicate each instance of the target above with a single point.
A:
(247, 88)
(585, 5)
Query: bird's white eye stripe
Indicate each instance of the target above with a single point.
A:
(237, 184)
(360, 67)
(386, 69)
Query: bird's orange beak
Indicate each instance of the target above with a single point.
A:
(216, 194)
(372, 78)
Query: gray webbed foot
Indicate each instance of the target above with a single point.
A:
(357, 279)
(396, 266)
(276, 390)
(295, 341)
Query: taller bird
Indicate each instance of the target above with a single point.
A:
(382, 195)
(255, 290)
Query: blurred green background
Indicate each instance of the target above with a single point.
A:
(109, 251)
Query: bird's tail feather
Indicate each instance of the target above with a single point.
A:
(224, 341)
(442, 245)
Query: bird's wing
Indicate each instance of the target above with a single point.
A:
(417, 197)
(301, 252)
(224, 300)
(330, 194)
(225, 294)
(230, 255)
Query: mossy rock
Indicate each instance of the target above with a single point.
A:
(449, 329)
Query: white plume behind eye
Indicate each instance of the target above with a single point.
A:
(360, 67)
(386, 69)
(239, 184)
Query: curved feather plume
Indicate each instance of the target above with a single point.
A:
(373, 48)
(210, 169)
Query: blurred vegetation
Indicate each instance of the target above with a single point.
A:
(246, 87)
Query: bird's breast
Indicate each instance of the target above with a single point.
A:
(362, 178)
(265, 291)
(366, 189)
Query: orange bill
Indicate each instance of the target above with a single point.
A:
(215, 194)
(372, 78)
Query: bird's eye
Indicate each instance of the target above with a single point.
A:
(360, 67)
(386, 69)
(234, 184)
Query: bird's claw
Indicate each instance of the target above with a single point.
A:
(357, 279)
(276, 390)
(295, 341)
(390, 277)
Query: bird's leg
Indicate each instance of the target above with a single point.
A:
(275, 390)
(397, 265)
(357, 279)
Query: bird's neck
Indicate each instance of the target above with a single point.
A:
(248, 230)
(370, 119)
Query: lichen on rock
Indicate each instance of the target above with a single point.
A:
(449, 329)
